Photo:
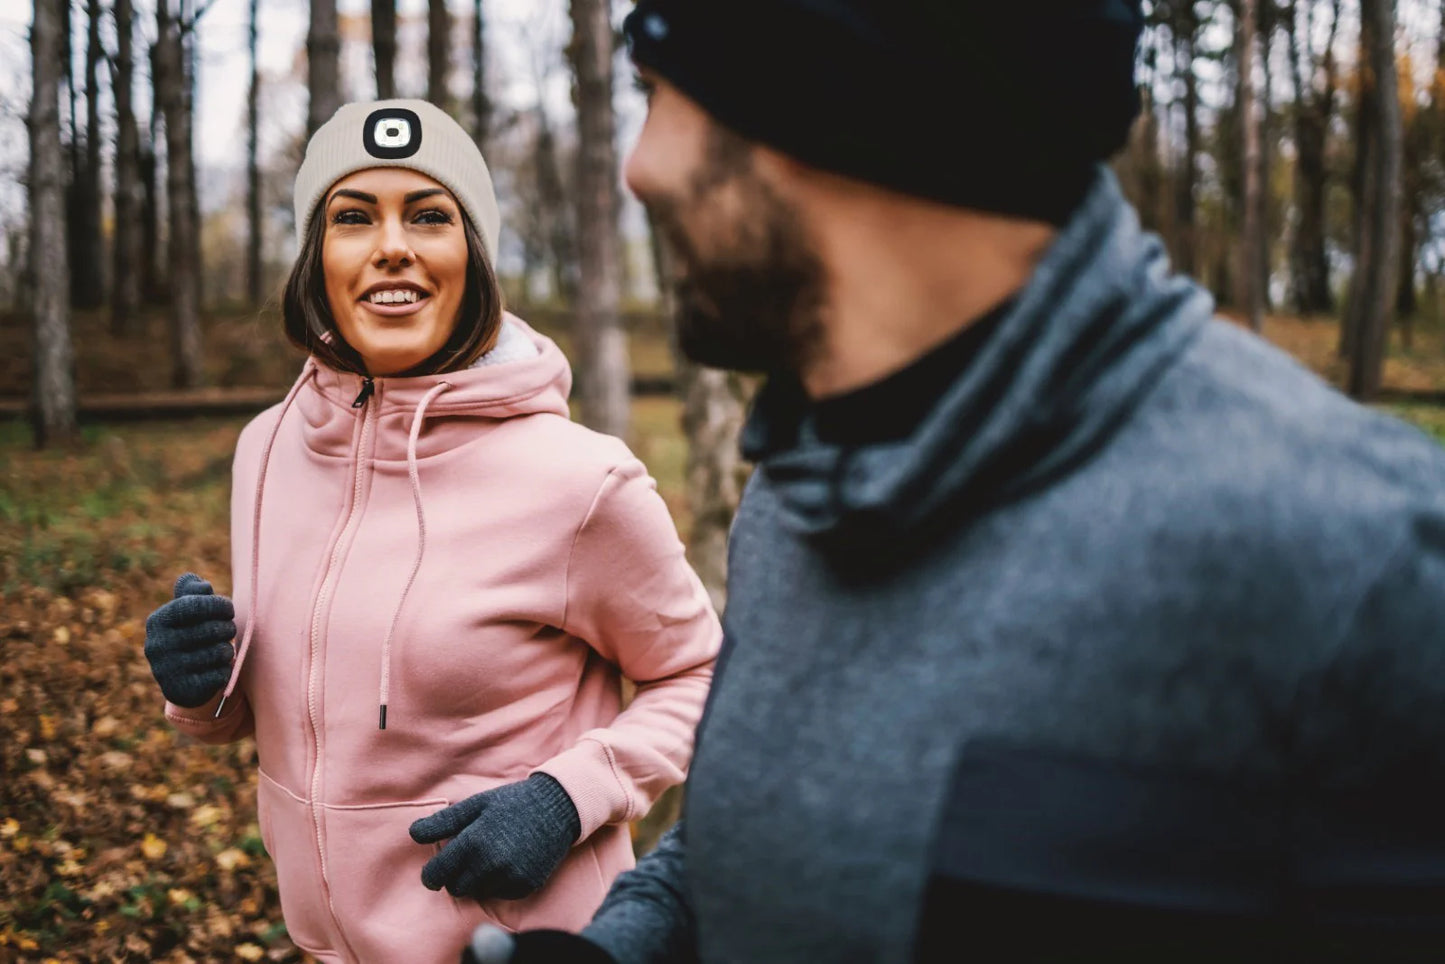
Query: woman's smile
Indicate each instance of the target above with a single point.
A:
(391, 300)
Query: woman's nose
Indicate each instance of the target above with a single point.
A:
(392, 248)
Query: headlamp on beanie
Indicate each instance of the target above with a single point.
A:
(389, 133)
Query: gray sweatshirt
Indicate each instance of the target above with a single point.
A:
(1140, 616)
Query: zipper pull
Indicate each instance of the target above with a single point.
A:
(367, 388)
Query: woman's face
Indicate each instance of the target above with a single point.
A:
(395, 261)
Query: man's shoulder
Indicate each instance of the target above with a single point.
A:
(1238, 417)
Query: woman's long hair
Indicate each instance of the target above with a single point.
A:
(311, 327)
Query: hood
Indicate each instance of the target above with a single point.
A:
(1094, 327)
(525, 374)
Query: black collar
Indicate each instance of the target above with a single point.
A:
(891, 408)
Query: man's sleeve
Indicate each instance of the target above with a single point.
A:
(647, 918)
(1370, 838)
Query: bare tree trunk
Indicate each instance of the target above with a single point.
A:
(323, 73)
(253, 175)
(438, 53)
(383, 47)
(1406, 303)
(558, 216)
(1267, 19)
(1364, 131)
(190, 13)
(714, 406)
(126, 260)
(74, 185)
(1377, 258)
(606, 379)
(155, 283)
(1187, 30)
(54, 394)
(1140, 164)
(481, 103)
(1251, 240)
(87, 276)
(1313, 113)
(170, 80)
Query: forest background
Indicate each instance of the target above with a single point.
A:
(1291, 155)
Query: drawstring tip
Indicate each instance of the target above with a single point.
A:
(219, 707)
(382, 724)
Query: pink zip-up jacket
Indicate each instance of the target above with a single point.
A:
(451, 555)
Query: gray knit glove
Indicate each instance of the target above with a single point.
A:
(188, 643)
(508, 841)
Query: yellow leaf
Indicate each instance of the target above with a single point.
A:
(206, 815)
(179, 895)
(249, 952)
(116, 760)
(153, 847)
(9, 827)
(47, 727)
(231, 858)
(61, 635)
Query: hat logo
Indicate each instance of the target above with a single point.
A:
(391, 133)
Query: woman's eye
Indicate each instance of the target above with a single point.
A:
(433, 216)
(350, 217)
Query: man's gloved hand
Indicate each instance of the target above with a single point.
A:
(188, 643)
(492, 945)
(508, 840)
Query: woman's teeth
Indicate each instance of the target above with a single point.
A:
(394, 296)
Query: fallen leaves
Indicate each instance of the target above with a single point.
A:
(153, 847)
(119, 839)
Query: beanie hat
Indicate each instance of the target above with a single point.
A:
(398, 133)
(998, 105)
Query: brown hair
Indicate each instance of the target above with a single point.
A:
(311, 327)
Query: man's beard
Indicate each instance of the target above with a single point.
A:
(752, 300)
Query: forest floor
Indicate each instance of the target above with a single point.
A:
(119, 839)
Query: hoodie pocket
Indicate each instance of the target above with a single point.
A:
(289, 835)
(374, 870)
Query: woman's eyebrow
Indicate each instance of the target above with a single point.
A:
(425, 192)
(357, 195)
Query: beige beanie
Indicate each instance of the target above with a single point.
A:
(398, 133)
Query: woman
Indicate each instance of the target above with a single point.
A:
(441, 581)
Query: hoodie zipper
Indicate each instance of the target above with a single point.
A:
(367, 388)
(323, 601)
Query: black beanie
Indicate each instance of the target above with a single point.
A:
(998, 106)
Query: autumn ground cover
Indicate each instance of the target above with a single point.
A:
(119, 839)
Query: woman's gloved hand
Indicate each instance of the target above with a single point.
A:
(188, 643)
(507, 841)
(492, 945)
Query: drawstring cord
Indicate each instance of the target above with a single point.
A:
(256, 538)
(411, 469)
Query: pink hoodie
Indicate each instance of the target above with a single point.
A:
(454, 560)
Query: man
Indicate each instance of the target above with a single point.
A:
(1065, 622)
